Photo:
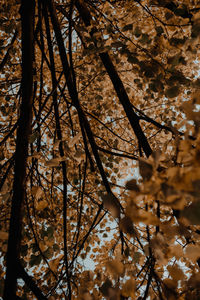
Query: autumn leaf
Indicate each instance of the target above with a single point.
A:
(192, 213)
(105, 287)
(35, 260)
(128, 288)
(111, 203)
(33, 137)
(115, 267)
(136, 257)
(172, 92)
(192, 252)
(54, 264)
(54, 162)
(126, 225)
(100, 149)
(74, 140)
(41, 205)
(127, 27)
(146, 170)
(175, 272)
(37, 192)
(3, 235)
(132, 185)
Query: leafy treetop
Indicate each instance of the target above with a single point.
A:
(93, 92)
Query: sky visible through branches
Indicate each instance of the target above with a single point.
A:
(99, 149)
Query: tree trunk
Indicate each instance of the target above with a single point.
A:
(23, 133)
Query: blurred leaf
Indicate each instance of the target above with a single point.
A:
(74, 140)
(35, 260)
(105, 287)
(33, 137)
(146, 169)
(127, 27)
(24, 250)
(56, 247)
(172, 92)
(48, 253)
(128, 288)
(50, 231)
(54, 162)
(193, 252)
(175, 272)
(136, 257)
(159, 30)
(3, 235)
(195, 29)
(126, 225)
(132, 185)
(145, 39)
(192, 213)
(1, 287)
(115, 267)
(41, 205)
(137, 31)
(132, 59)
(111, 203)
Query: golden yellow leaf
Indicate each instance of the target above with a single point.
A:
(37, 191)
(41, 205)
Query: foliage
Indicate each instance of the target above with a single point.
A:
(93, 92)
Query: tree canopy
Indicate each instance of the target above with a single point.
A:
(100, 149)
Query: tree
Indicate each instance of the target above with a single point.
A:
(93, 92)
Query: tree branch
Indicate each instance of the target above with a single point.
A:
(30, 282)
(23, 133)
(117, 84)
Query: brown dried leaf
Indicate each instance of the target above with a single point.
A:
(146, 169)
(126, 225)
(175, 272)
(115, 267)
(132, 185)
(192, 252)
(128, 288)
(111, 203)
